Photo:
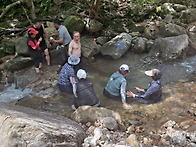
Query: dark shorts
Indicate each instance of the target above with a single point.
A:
(109, 95)
(66, 88)
(43, 46)
(81, 65)
(37, 61)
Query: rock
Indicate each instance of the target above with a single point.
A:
(116, 47)
(18, 63)
(168, 18)
(22, 126)
(97, 133)
(189, 15)
(179, 7)
(94, 26)
(170, 30)
(132, 140)
(56, 57)
(50, 28)
(167, 7)
(102, 40)
(21, 47)
(170, 47)
(89, 48)
(110, 123)
(2, 53)
(8, 46)
(86, 114)
(74, 23)
(139, 45)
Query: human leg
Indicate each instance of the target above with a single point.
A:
(66, 88)
(47, 56)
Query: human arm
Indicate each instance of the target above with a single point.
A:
(60, 41)
(70, 49)
(139, 89)
(73, 82)
(123, 95)
(35, 46)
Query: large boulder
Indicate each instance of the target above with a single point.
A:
(89, 48)
(74, 23)
(2, 53)
(8, 46)
(50, 28)
(116, 47)
(139, 45)
(94, 26)
(85, 114)
(169, 30)
(179, 7)
(170, 47)
(21, 47)
(23, 127)
(189, 15)
(55, 56)
(102, 40)
(18, 63)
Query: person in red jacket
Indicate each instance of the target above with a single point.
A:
(34, 49)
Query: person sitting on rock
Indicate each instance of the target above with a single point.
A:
(85, 92)
(116, 86)
(34, 49)
(75, 48)
(153, 93)
(66, 81)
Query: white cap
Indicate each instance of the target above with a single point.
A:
(124, 67)
(151, 73)
(81, 74)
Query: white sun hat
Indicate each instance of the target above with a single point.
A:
(81, 74)
(124, 67)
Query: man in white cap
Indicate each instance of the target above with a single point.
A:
(116, 86)
(153, 93)
(66, 81)
(85, 92)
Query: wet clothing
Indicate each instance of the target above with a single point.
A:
(42, 45)
(34, 50)
(66, 88)
(66, 79)
(151, 95)
(64, 34)
(116, 86)
(85, 94)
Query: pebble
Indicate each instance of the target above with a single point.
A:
(132, 140)
(110, 123)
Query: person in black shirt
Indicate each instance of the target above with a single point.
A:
(42, 33)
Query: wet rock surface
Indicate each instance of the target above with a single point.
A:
(27, 127)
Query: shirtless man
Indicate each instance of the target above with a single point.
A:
(75, 46)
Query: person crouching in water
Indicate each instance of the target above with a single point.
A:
(85, 92)
(34, 49)
(153, 93)
(66, 81)
(116, 86)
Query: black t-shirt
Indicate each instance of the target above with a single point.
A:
(40, 34)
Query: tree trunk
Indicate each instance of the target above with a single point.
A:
(28, 3)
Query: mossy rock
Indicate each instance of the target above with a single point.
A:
(22, 24)
(74, 23)
(2, 53)
(5, 25)
(8, 46)
(18, 63)
(94, 26)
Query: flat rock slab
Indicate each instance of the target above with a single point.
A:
(23, 127)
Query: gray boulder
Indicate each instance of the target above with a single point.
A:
(139, 45)
(55, 56)
(89, 48)
(21, 47)
(110, 123)
(116, 47)
(102, 40)
(189, 15)
(50, 28)
(74, 23)
(179, 7)
(8, 46)
(18, 63)
(85, 114)
(94, 26)
(170, 47)
(169, 30)
(23, 127)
